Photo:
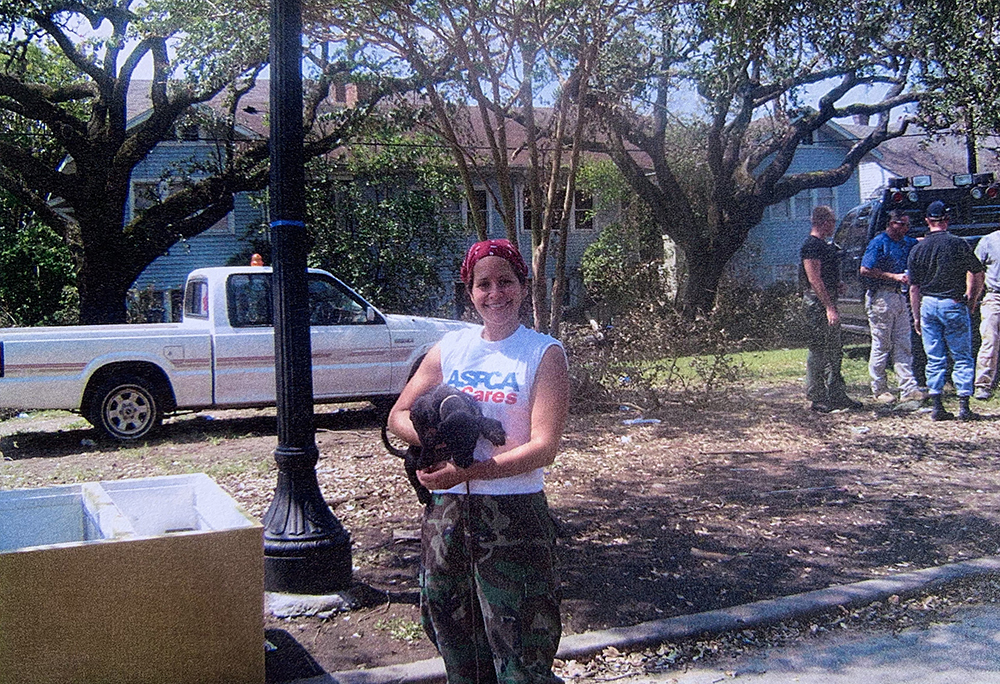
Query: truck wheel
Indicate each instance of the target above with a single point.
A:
(126, 408)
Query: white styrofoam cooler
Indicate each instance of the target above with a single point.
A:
(149, 580)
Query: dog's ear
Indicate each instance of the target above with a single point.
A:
(492, 430)
(424, 416)
(458, 402)
(440, 393)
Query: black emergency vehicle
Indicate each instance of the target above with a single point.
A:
(973, 211)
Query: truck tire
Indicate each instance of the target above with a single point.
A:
(126, 407)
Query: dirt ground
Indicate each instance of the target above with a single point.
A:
(710, 506)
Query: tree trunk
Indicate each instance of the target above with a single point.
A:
(109, 263)
(707, 261)
(704, 273)
(540, 287)
(103, 289)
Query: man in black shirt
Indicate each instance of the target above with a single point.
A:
(820, 277)
(946, 280)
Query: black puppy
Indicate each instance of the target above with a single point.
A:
(448, 423)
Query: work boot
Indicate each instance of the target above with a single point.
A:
(964, 412)
(917, 395)
(982, 394)
(938, 412)
(845, 402)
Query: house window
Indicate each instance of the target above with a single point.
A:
(146, 193)
(779, 210)
(583, 211)
(826, 197)
(802, 203)
(479, 205)
(526, 209)
(451, 212)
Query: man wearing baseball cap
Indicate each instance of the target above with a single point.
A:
(946, 279)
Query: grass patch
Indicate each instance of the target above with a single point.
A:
(752, 369)
(779, 366)
(402, 629)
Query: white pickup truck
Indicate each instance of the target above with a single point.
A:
(125, 378)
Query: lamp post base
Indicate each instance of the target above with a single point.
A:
(317, 569)
(306, 549)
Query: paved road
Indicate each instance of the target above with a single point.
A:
(964, 651)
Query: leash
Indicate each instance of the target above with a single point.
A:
(469, 550)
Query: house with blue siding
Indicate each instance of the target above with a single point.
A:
(771, 252)
(584, 225)
(193, 151)
(151, 180)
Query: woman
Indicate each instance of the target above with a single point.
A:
(489, 594)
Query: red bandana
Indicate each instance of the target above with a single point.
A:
(501, 248)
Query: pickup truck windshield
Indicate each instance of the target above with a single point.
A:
(250, 302)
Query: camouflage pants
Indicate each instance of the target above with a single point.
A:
(489, 595)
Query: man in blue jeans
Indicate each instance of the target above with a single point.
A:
(946, 279)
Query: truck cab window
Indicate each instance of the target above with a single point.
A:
(196, 299)
(329, 305)
(249, 300)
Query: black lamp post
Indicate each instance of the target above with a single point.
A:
(306, 549)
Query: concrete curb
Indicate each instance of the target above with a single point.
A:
(757, 614)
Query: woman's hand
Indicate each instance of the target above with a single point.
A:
(442, 475)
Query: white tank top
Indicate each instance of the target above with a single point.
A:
(500, 376)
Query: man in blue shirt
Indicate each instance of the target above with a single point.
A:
(883, 269)
(945, 281)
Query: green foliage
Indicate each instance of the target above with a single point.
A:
(652, 353)
(760, 318)
(215, 42)
(961, 63)
(624, 265)
(144, 306)
(756, 78)
(379, 222)
(604, 182)
(36, 271)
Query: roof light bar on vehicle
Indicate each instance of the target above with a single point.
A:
(921, 181)
(962, 180)
(898, 182)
